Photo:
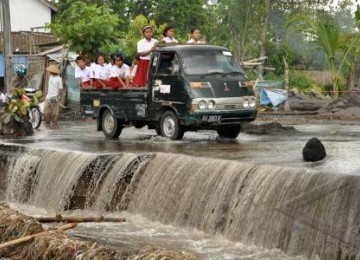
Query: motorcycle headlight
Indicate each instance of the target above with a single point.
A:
(211, 105)
(202, 105)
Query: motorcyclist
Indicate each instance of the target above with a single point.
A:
(19, 80)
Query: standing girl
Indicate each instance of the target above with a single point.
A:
(144, 48)
(195, 35)
(169, 35)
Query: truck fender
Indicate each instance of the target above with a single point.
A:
(102, 109)
(162, 110)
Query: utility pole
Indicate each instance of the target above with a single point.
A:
(6, 28)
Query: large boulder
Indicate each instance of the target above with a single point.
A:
(314, 150)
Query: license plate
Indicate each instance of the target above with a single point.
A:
(211, 118)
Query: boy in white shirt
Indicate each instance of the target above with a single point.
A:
(83, 73)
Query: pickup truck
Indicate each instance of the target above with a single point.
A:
(190, 88)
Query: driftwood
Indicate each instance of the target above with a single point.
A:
(30, 237)
(73, 219)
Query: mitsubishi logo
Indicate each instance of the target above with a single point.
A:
(226, 88)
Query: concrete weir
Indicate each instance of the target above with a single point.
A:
(297, 211)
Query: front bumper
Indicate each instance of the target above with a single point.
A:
(218, 118)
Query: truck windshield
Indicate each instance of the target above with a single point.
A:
(202, 62)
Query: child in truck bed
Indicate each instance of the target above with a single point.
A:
(117, 72)
(100, 72)
(144, 48)
(83, 73)
(131, 72)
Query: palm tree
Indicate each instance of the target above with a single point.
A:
(325, 35)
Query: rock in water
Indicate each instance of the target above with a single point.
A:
(314, 150)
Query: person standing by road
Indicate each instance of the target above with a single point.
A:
(52, 96)
(144, 48)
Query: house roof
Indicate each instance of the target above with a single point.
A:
(49, 4)
(28, 42)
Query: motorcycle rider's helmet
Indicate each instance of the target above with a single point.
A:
(21, 70)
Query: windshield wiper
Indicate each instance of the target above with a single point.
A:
(212, 73)
(234, 73)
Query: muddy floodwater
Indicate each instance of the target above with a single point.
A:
(249, 198)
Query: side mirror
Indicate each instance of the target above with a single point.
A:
(176, 68)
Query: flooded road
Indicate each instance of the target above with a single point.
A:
(183, 195)
(342, 143)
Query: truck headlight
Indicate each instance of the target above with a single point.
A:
(211, 105)
(202, 105)
(252, 103)
(246, 103)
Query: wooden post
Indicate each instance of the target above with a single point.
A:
(30, 237)
(5, 13)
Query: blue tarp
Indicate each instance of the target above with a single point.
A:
(274, 97)
(2, 65)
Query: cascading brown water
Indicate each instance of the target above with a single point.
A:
(295, 210)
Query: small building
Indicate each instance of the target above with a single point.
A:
(28, 14)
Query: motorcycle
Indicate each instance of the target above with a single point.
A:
(34, 112)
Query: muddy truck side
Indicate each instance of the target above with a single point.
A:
(190, 88)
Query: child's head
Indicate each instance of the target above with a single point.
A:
(136, 59)
(195, 34)
(80, 61)
(147, 32)
(118, 60)
(100, 59)
(169, 31)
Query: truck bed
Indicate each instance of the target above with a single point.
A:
(126, 104)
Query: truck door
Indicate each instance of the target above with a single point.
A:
(167, 83)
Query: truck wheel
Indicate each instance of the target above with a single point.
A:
(229, 131)
(170, 126)
(111, 126)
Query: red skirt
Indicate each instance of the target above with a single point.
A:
(114, 83)
(86, 84)
(141, 75)
(97, 84)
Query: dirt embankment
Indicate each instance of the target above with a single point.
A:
(56, 244)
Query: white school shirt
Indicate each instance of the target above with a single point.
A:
(145, 45)
(119, 71)
(100, 72)
(131, 72)
(194, 42)
(84, 74)
(55, 84)
(170, 40)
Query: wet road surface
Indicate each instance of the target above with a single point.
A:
(341, 142)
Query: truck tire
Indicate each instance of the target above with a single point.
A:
(229, 131)
(111, 126)
(170, 126)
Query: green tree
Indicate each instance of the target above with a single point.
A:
(325, 34)
(86, 27)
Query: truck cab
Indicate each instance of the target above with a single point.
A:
(190, 88)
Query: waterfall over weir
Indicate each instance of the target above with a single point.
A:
(299, 212)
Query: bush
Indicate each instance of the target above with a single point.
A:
(301, 81)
